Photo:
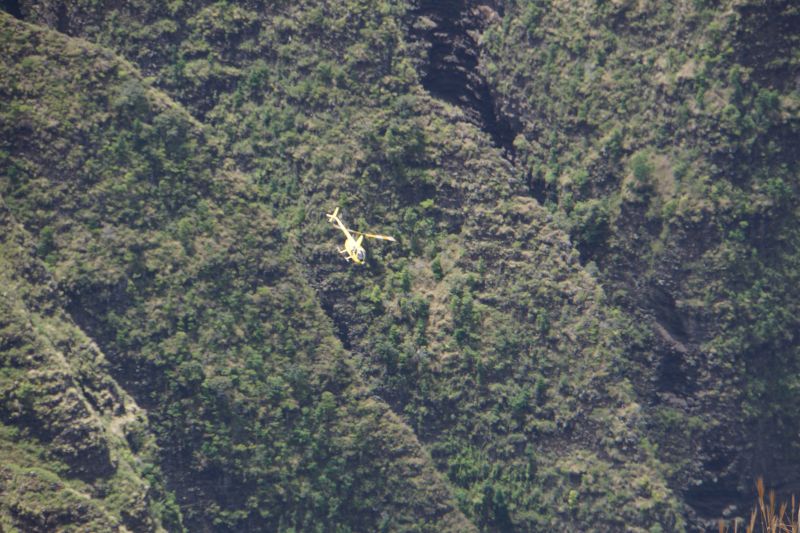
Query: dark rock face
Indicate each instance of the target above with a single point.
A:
(452, 31)
(11, 7)
(764, 30)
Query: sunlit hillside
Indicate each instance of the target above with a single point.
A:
(588, 320)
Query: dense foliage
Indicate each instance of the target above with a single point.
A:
(674, 159)
(167, 259)
(589, 322)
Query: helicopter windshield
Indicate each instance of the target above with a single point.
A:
(360, 254)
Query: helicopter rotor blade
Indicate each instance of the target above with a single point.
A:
(373, 235)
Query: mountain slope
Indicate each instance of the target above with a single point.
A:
(181, 278)
(588, 320)
(426, 169)
(68, 429)
(667, 135)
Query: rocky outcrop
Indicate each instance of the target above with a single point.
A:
(451, 32)
(56, 392)
(632, 99)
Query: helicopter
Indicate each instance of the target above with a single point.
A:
(353, 251)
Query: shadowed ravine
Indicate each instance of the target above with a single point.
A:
(588, 320)
(451, 31)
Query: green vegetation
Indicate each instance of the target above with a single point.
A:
(579, 329)
(172, 264)
(684, 132)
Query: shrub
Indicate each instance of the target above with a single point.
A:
(641, 167)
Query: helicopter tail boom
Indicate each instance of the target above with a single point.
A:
(373, 235)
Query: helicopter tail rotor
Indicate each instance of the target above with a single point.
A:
(334, 216)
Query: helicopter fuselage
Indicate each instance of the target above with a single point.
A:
(353, 251)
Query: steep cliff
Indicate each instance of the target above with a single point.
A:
(667, 136)
(165, 258)
(75, 451)
(588, 322)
